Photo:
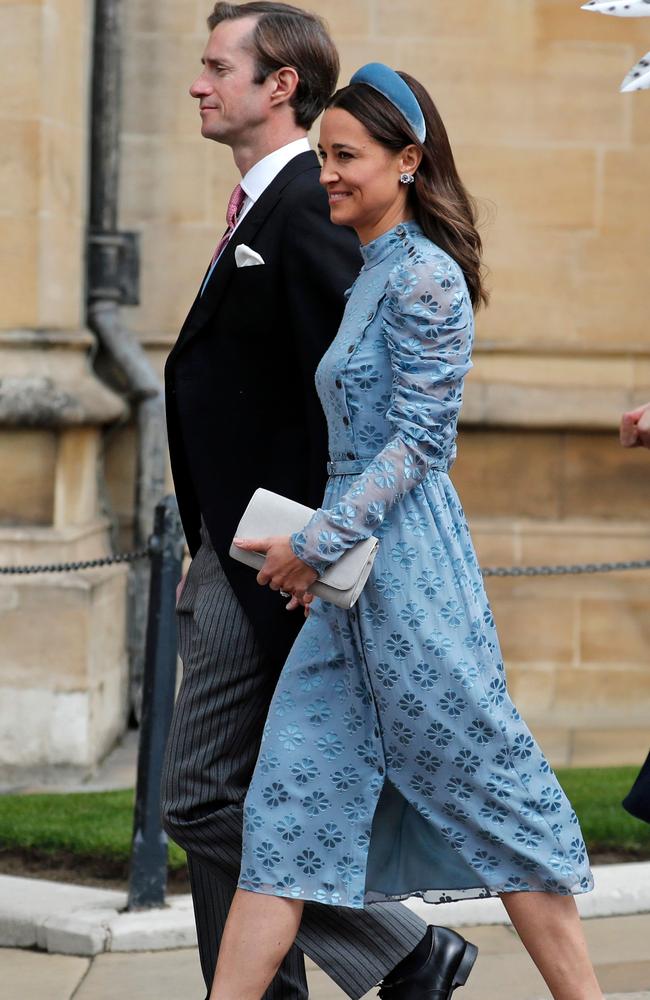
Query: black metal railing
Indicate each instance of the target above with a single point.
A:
(148, 875)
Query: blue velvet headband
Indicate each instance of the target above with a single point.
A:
(389, 83)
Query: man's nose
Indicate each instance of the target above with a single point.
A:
(200, 87)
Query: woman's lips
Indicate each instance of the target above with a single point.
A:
(336, 196)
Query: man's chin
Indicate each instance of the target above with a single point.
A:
(217, 134)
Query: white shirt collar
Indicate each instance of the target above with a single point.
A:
(258, 178)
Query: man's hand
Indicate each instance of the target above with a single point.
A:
(635, 428)
(282, 570)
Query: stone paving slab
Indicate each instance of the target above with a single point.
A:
(26, 975)
(491, 940)
(501, 978)
(619, 947)
(175, 975)
(619, 939)
(625, 977)
(167, 975)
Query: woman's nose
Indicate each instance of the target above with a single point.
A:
(327, 175)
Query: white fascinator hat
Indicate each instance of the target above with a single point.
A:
(639, 76)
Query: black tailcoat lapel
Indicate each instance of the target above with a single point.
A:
(205, 306)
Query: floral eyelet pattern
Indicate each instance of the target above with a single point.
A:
(405, 696)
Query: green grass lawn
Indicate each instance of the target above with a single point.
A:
(88, 824)
(99, 824)
(596, 793)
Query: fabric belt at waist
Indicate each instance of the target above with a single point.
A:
(355, 466)
(348, 467)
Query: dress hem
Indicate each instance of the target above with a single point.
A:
(426, 895)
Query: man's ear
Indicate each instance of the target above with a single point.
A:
(285, 84)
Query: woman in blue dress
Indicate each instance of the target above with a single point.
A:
(393, 761)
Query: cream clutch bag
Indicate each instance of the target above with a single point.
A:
(271, 514)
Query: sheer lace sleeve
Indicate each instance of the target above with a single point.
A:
(427, 322)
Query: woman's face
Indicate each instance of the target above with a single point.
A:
(362, 177)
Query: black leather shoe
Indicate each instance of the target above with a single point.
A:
(448, 965)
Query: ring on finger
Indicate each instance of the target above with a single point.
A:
(283, 593)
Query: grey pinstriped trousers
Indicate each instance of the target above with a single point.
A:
(211, 752)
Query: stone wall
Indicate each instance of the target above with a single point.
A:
(576, 647)
(63, 667)
(559, 162)
(44, 51)
(529, 92)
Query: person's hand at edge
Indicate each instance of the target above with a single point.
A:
(634, 429)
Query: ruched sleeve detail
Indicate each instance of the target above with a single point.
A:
(428, 325)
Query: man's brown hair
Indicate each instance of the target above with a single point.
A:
(287, 36)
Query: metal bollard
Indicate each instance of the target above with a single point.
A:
(148, 874)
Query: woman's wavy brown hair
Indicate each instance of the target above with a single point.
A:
(440, 202)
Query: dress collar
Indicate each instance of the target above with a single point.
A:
(377, 250)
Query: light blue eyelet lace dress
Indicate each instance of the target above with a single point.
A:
(393, 761)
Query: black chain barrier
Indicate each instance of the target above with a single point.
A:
(612, 567)
(498, 571)
(67, 567)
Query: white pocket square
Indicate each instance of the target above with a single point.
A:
(245, 257)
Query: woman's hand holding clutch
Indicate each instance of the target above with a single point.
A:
(282, 570)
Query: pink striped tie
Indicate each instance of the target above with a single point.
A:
(237, 199)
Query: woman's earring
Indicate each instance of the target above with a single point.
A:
(406, 178)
